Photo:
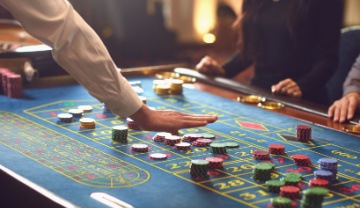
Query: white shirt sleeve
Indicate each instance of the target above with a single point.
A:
(78, 49)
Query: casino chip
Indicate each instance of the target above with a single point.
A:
(85, 108)
(215, 162)
(158, 156)
(329, 164)
(274, 185)
(183, 146)
(160, 137)
(171, 140)
(280, 202)
(277, 149)
(87, 123)
(291, 192)
(261, 155)
(140, 148)
(65, 117)
(317, 182)
(77, 113)
(119, 134)
(218, 148)
(313, 197)
(191, 137)
(202, 142)
(199, 168)
(262, 171)
(232, 144)
(303, 133)
(302, 160)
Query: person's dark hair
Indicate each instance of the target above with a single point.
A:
(248, 33)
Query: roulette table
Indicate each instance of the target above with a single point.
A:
(48, 163)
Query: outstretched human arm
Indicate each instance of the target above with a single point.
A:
(80, 51)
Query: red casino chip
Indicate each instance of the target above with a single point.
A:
(318, 182)
(215, 162)
(277, 149)
(302, 160)
(291, 192)
(261, 155)
(303, 133)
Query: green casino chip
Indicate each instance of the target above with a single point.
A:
(280, 201)
(232, 144)
(208, 136)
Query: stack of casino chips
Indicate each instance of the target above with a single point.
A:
(292, 179)
(171, 140)
(140, 148)
(208, 136)
(261, 155)
(161, 87)
(199, 168)
(274, 185)
(85, 108)
(3, 79)
(87, 123)
(324, 174)
(183, 146)
(301, 160)
(215, 162)
(131, 124)
(313, 197)
(281, 202)
(158, 156)
(168, 86)
(11, 83)
(303, 133)
(191, 137)
(318, 182)
(231, 144)
(329, 164)
(218, 148)
(160, 136)
(202, 142)
(291, 192)
(119, 134)
(277, 149)
(76, 113)
(176, 86)
(65, 117)
(14, 86)
(262, 171)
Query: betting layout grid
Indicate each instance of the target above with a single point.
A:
(235, 179)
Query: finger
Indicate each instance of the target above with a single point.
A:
(352, 109)
(331, 111)
(297, 94)
(337, 112)
(207, 118)
(343, 112)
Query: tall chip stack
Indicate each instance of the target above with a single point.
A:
(10, 83)
(313, 197)
(328, 165)
(303, 133)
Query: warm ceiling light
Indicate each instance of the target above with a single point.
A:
(209, 38)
